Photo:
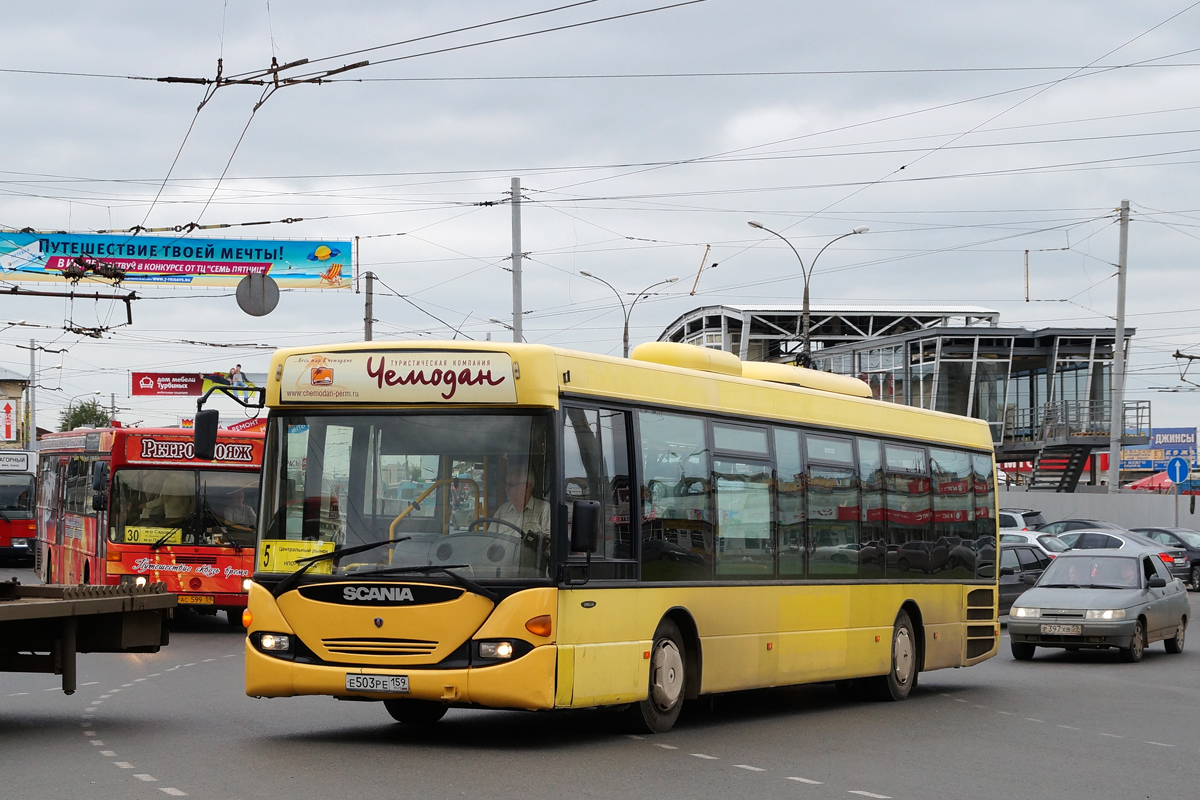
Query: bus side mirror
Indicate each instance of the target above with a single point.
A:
(100, 479)
(99, 501)
(585, 525)
(205, 427)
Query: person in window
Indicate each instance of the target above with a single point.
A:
(530, 514)
(238, 513)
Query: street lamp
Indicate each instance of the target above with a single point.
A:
(93, 393)
(627, 311)
(805, 359)
(504, 324)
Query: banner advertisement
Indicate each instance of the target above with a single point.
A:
(1165, 444)
(398, 376)
(175, 260)
(188, 384)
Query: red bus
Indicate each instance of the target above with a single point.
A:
(16, 505)
(132, 505)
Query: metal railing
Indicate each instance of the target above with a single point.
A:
(1067, 419)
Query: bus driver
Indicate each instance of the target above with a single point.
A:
(530, 514)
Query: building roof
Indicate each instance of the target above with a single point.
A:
(9, 375)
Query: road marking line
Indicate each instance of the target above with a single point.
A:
(125, 686)
(152, 675)
(1069, 727)
(975, 706)
(172, 791)
(191, 664)
(141, 776)
(943, 694)
(1031, 719)
(1112, 736)
(1006, 713)
(16, 694)
(89, 733)
(172, 669)
(123, 764)
(93, 708)
(51, 689)
(747, 766)
(1160, 744)
(667, 746)
(138, 680)
(105, 696)
(98, 702)
(707, 758)
(231, 655)
(108, 753)
(97, 742)
(631, 736)
(208, 660)
(805, 780)
(871, 794)
(959, 700)
(89, 683)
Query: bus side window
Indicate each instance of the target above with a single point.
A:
(985, 516)
(953, 513)
(677, 536)
(872, 535)
(909, 512)
(789, 504)
(596, 467)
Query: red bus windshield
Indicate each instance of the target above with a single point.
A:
(184, 506)
(16, 496)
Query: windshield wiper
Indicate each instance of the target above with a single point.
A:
(288, 583)
(1060, 586)
(5, 517)
(1106, 586)
(448, 569)
(165, 536)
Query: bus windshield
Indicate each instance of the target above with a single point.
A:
(184, 506)
(16, 496)
(464, 491)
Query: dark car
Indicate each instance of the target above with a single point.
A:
(1023, 519)
(1175, 558)
(1186, 538)
(926, 557)
(1101, 598)
(1063, 525)
(1020, 567)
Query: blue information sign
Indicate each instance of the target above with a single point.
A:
(1178, 470)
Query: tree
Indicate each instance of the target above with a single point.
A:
(84, 415)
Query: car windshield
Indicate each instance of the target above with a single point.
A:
(1052, 544)
(467, 491)
(184, 506)
(1084, 572)
(16, 495)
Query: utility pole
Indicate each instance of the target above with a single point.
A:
(516, 258)
(1117, 424)
(112, 406)
(32, 432)
(369, 307)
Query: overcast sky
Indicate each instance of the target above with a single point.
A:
(962, 134)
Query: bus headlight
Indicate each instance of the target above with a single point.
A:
(1025, 612)
(495, 650)
(246, 584)
(140, 580)
(274, 642)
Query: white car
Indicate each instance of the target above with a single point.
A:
(1048, 543)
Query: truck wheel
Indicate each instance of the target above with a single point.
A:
(415, 712)
(659, 711)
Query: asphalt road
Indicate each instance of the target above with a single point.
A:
(1083, 725)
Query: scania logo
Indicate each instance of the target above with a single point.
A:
(384, 594)
(379, 622)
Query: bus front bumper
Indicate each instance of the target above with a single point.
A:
(527, 682)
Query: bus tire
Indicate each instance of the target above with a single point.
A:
(664, 700)
(415, 712)
(233, 616)
(902, 676)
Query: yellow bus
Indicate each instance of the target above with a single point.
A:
(471, 524)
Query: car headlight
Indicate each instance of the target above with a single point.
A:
(1025, 612)
(1105, 613)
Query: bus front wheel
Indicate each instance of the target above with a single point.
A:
(902, 677)
(659, 711)
(415, 712)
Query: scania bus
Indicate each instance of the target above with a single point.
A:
(518, 526)
(16, 505)
(132, 505)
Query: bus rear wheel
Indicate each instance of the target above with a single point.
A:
(415, 712)
(902, 677)
(659, 711)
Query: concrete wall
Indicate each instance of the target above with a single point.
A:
(1129, 509)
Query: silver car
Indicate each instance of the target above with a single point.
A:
(1101, 598)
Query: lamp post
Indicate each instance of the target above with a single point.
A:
(805, 359)
(627, 311)
(505, 325)
(93, 393)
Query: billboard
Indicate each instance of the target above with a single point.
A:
(186, 384)
(1165, 444)
(175, 260)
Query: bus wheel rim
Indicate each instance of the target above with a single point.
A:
(666, 680)
(902, 654)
